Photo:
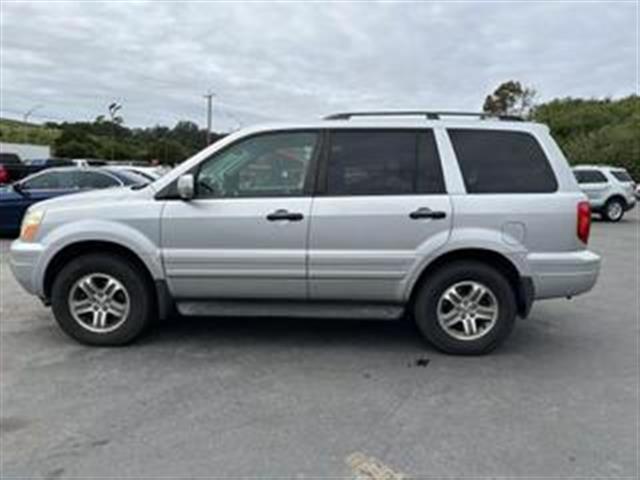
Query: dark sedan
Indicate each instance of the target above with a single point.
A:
(53, 182)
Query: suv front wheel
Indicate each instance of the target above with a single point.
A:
(101, 299)
(466, 308)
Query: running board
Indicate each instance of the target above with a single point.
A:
(253, 308)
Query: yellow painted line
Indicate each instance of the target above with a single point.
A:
(370, 468)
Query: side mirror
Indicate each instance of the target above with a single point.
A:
(186, 187)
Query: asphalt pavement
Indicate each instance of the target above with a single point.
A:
(285, 398)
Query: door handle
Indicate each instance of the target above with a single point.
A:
(425, 212)
(284, 215)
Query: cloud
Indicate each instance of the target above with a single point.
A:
(302, 60)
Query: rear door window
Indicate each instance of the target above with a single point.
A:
(501, 161)
(52, 181)
(383, 162)
(589, 176)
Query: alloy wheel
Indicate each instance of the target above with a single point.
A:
(99, 302)
(467, 310)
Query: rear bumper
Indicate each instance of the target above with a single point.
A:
(563, 274)
(631, 202)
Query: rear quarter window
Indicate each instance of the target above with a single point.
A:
(621, 175)
(500, 161)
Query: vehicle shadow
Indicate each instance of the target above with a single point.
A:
(283, 332)
(530, 337)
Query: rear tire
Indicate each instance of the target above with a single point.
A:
(613, 210)
(453, 320)
(102, 299)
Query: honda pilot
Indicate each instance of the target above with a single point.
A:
(456, 221)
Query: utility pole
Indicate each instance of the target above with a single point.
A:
(113, 109)
(209, 96)
(29, 112)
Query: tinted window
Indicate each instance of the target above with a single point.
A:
(96, 180)
(621, 175)
(51, 180)
(589, 176)
(269, 165)
(58, 162)
(383, 162)
(495, 161)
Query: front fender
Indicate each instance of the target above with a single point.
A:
(143, 245)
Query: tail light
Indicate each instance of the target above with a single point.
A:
(4, 175)
(584, 221)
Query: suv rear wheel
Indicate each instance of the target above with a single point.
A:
(613, 210)
(101, 299)
(466, 308)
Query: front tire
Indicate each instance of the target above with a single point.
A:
(466, 308)
(613, 210)
(102, 299)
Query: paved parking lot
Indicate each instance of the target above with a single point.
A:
(284, 398)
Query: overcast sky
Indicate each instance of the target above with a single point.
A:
(296, 60)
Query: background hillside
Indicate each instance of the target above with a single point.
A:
(588, 131)
(596, 131)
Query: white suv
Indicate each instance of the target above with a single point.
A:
(611, 190)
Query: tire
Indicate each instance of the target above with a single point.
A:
(499, 298)
(613, 210)
(125, 315)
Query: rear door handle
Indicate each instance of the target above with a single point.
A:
(284, 215)
(425, 212)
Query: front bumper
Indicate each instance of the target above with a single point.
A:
(23, 261)
(563, 274)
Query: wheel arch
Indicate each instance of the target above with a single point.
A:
(83, 247)
(617, 196)
(522, 285)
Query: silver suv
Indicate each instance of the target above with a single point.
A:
(611, 190)
(458, 223)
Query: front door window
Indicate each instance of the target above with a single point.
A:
(271, 165)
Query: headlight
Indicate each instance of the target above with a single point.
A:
(30, 224)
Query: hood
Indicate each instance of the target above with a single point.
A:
(107, 195)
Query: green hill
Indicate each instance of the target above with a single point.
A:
(14, 131)
(596, 131)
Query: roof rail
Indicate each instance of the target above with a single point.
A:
(429, 115)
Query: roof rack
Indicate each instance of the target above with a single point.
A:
(429, 115)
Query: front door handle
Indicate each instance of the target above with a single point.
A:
(425, 212)
(284, 215)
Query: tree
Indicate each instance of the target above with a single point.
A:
(75, 149)
(510, 98)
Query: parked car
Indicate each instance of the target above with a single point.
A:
(89, 162)
(611, 190)
(49, 162)
(53, 182)
(460, 222)
(151, 174)
(12, 168)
